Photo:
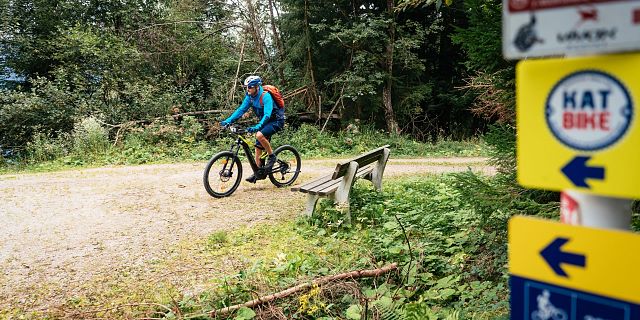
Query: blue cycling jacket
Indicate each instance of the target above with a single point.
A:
(270, 111)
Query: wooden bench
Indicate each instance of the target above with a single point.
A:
(337, 185)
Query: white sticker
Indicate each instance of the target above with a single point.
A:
(589, 110)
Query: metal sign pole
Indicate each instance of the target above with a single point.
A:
(578, 208)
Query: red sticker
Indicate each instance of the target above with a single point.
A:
(530, 5)
(569, 210)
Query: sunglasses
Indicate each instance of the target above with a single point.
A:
(250, 87)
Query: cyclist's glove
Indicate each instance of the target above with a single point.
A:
(253, 129)
(224, 123)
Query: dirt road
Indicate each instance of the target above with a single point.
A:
(63, 232)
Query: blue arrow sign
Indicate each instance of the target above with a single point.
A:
(555, 256)
(578, 172)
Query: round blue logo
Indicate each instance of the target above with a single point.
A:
(589, 110)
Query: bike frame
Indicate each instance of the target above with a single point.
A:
(281, 174)
(246, 146)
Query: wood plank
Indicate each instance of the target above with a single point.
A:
(332, 184)
(328, 184)
(317, 181)
(332, 188)
(312, 184)
(362, 160)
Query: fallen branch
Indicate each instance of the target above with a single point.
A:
(134, 122)
(317, 282)
(194, 113)
(333, 109)
(295, 92)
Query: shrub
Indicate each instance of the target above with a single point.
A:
(48, 109)
(44, 148)
(354, 140)
(89, 137)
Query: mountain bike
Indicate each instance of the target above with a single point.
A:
(223, 173)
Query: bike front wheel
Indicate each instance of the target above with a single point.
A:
(287, 167)
(223, 174)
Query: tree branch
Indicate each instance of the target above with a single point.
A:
(320, 281)
(170, 23)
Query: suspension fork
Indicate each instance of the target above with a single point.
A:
(234, 150)
(236, 147)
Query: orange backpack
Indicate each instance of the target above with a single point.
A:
(275, 94)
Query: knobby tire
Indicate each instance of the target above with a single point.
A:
(225, 173)
(288, 162)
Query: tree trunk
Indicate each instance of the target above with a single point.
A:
(312, 92)
(392, 123)
(278, 42)
(232, 90)
(253, 29)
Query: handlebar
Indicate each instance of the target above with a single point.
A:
(235, 129)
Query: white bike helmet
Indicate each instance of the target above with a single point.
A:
(252, 81)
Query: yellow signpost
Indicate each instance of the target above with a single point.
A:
(579, 133)
(586, 273)
(578, 125)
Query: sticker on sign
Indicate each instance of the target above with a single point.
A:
(589, 110)
(526, 5)
(535, 28)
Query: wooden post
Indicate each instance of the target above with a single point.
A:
(312, 199)
(378, 171)
(341, 197)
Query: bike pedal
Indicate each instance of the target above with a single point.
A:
(261, 174)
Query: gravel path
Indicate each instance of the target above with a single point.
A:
(62, 230)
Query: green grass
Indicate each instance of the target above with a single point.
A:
(314, 144)
(446, 232)
(170, 143)
(451, 251)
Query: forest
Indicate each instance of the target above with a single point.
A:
(426, 69)
(92, 83)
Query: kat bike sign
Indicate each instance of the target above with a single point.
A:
(535, 28)
(563, 272)
(578, 125)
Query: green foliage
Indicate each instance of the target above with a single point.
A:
(135, 61)
(269, 262)
(355, 140)
(450, 245)
(635, 216)
(502, 139)
(347, 45)
(364, 39)
(454, 263)
(88, 145)
(89, 137)
(217, 239)
(45, 148)
(354, 312)
(117, 62)
(47, 109)
(245, 313)
(164, 140)
(481, 40)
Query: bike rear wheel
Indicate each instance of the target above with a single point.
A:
(222, 174)
(287, 167)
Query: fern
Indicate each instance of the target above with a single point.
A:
(390, 312)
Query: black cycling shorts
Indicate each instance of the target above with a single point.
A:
(269, 129)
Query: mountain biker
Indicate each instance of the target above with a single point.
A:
(271, 121)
